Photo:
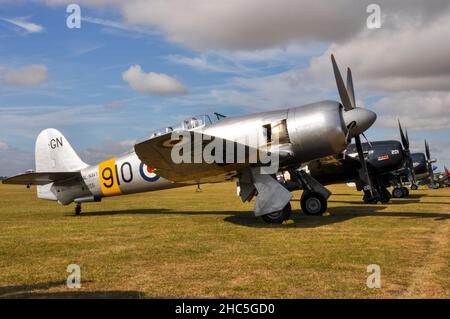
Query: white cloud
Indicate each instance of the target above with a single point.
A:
(250, 24)
(27, 26)
(255, 24)
(203, 63)
(152, 83)
(119, 25)
(3, 146)
(416, 110)
(408, 58)
(28, 75)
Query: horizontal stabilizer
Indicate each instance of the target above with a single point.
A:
(41, 178)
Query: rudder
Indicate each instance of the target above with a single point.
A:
(53, 153)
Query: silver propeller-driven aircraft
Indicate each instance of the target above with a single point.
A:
(295, 135)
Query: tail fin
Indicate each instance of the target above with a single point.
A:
(54, 154)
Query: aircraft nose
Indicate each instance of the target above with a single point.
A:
(358, 120)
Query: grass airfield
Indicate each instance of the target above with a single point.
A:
(180, 243)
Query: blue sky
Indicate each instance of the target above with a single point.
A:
(225, 60)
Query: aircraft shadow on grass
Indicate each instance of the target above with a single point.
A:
(409, 196)
(337, 215)
(412, 199)
(392, 202)
(246, 218)
(38, 291)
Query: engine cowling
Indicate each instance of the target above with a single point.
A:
(316, 130)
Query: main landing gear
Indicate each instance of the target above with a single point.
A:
(315, 195)
(400, 192)
(279, 216)
(313, 203)
(77, 209)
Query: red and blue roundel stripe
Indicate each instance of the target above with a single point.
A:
(147, 173)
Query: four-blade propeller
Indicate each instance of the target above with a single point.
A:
(409, 162)
(355, 125)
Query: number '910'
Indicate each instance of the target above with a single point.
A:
(126, 174)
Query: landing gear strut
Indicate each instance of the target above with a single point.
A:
(279, 216)
(78, 209)
(315, 195)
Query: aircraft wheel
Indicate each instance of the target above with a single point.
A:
(279, 216)
(78, 209)
(398, 193)
(369, 199)
(313, 204)
(414, 187)
(385, 196)
(405, 191)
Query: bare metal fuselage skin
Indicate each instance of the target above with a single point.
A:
(313, 131)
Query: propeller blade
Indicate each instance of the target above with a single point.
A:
(367, 140)
(343, 93)
(368, 181)
(427, 150)
(407, 137)
(430, 168)
(350, 89)
(405, 142)
(409, 161)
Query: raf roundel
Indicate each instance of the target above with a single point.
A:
(147, 173)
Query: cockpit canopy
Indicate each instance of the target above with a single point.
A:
(191, 123)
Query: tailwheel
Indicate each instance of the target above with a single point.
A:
(414, 187)
(313, 203)
(279, 216)
(405, 191)
(78, 209)
(398, 192)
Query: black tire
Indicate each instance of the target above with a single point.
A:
(77, 210)
(313, 204)
(406, 191)
(371, 200)
(279, 216)
(385, 196)
(414, 187)
(398, 192)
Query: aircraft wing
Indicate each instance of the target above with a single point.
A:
(156, 153)
(41, 178)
